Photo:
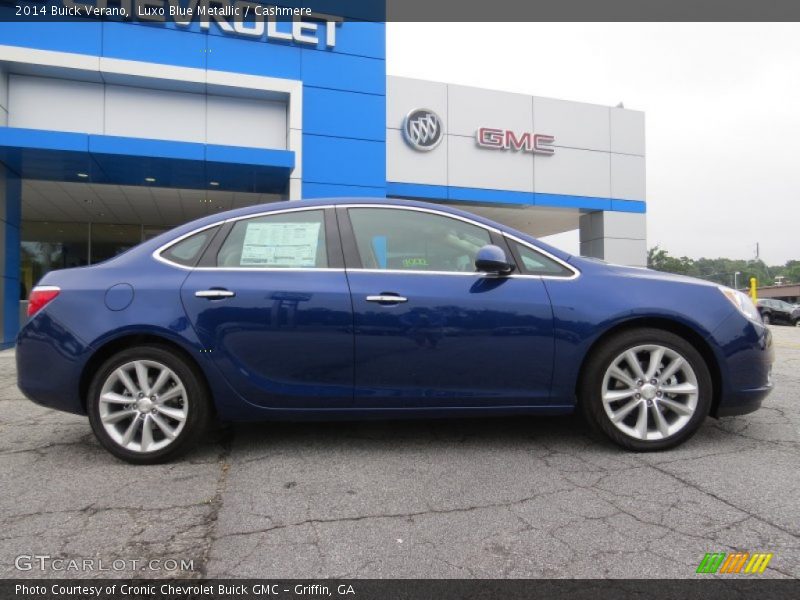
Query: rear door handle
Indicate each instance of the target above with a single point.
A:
(214, 294)
(387, 299)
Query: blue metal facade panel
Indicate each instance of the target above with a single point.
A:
(344, 130)
(332, 190)
(154, 44)
(344, 72)
(360, 39)
(128, 161)
(341, 114)
(254, 57)
(250, 156)
(85, 37)
(22, 138)
(344, 161)
(629, 205)
(110, 144)
(11, 195)
(490, 196)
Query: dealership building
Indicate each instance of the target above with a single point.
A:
(112, 131)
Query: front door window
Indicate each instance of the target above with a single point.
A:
(410, 240)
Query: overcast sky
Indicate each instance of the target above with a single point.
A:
(721, 102)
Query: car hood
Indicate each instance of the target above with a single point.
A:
(597, 265)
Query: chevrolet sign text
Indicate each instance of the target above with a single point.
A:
(235, 17)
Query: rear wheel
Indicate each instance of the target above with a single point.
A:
(147, 405)
(646, 389)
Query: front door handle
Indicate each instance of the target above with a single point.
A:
(387, 298)
(214, 294)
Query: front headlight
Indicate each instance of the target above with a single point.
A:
(742, 302)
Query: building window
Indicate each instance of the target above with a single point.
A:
(47, 246)
(110, 239)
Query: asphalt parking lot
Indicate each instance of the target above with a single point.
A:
(467, 498)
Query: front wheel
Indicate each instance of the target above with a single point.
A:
(766, 319)
(646, 389)
(146, 405)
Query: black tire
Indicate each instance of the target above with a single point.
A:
(591, 387)
(197, 399)
(766, 318)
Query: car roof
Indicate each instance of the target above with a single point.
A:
(285, 204)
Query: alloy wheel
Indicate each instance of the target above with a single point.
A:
(143, 406)
(650, 392)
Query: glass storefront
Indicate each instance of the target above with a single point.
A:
(75, 224)
(47, 246)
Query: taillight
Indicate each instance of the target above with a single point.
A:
(40, 297)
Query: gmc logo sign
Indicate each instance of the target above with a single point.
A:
(504, 139)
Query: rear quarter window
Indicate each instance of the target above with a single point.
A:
(188, 251)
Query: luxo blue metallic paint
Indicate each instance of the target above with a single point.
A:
(306, 343)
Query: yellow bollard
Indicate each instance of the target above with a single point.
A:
(753, 289)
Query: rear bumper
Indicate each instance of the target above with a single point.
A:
(50, 360)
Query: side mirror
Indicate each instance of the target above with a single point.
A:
(492, 259)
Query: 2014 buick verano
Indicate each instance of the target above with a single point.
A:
(363, 308)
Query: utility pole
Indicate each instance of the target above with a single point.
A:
(757, 251)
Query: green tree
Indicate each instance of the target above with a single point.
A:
(791, 271)
(722, 270)
(660, 260)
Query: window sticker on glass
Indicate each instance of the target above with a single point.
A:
(280, 244)
(416, 262)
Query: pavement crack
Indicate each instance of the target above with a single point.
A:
(399, 515)
(215, 503)
(728, 503)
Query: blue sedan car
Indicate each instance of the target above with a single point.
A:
(363, 308)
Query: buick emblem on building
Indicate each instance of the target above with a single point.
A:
(422, 129)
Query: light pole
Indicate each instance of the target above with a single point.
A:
(736, 280)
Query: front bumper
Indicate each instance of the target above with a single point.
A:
(746, 355)
(742, 403)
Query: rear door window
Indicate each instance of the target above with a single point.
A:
(285, 240)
